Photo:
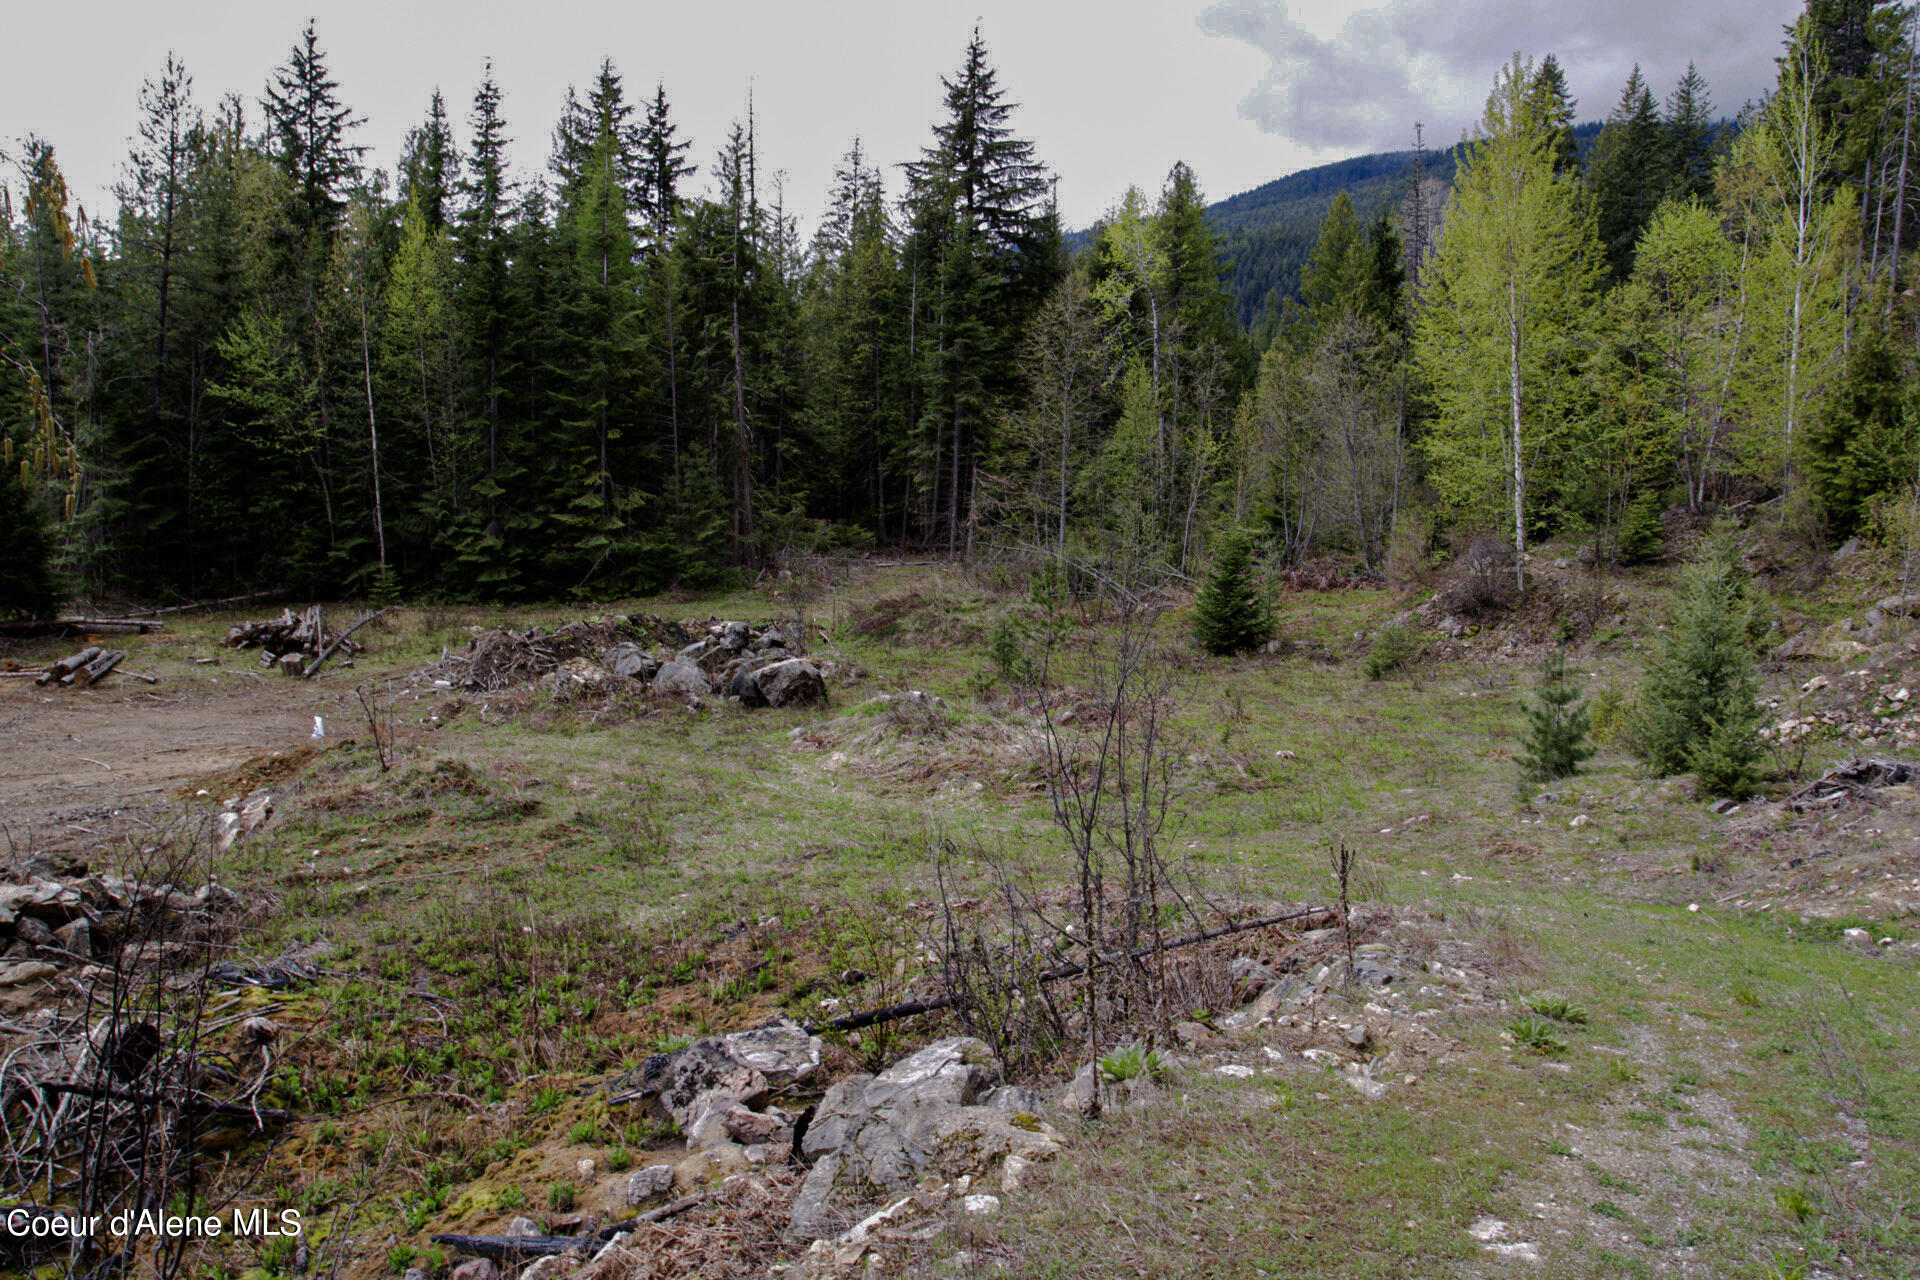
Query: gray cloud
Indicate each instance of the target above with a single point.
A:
(1434, 60)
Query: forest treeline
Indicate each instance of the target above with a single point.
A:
(277, 367)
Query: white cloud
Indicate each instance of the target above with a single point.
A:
(1362, 86)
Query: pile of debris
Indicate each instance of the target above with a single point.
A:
(726, 658)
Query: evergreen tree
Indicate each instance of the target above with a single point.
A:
(1231, 615)
(976, 199)
(430, 166)
(1688, 129)
(1548, 107)
(1554, 743)
(27, 584)
(1697, 709)
(1627, 174)
(308, 127)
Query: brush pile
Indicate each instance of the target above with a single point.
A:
(498, 659)
(304, 633)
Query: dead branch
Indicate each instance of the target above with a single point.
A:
(893, 1013)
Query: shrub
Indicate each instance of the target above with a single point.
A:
(1641, 537)
(1554, 744)
(1697, 710)
(27, 585)
(1231, 615)
(1393, 648)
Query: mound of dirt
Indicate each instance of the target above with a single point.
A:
(260, 771)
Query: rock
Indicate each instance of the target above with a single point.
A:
(743, 686)
(522, 1227)
(735, 636)
(630, 662)
(982, 1204)
(550, 1267)
(1234, 1071)
(1453, 628)
(782, 1051)
(34, 933)
(1359, 1036)
(46, 900)
(1371, 1090)
(75, 937)
(682, 679)
(1082, 1093)
(749, 1127)
(1829, 644)
(1858, 938)
(415, 1273)
(1250, 977)
(1193, 1035)
(645, 1184)
(475, 1269)
(770, 639)
(1280, 994)
(1486, 1230)
(1013, 1173)
(19, 975)
(878, 1134)
(793, 682)
(577, 675)
(1015, 1099)
(1899, 606)
(1724, 805)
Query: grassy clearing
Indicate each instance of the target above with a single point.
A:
(534, 897)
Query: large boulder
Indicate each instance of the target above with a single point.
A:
(682, 678)
(792, 683)
(705, 1085)
(876, 1135)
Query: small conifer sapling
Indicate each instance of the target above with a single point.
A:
(1554, 744)
(1231, 614)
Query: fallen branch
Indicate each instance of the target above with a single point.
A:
(340, 640)
(208, 604)
(893, 1013)
(519, 1248)
(261, 1116)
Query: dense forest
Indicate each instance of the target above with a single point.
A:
(275, 367)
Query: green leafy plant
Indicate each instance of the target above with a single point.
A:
(1549, 1004)
(1537, 1035)
(1134, 1062)
(1231, 614)
(561, 1196)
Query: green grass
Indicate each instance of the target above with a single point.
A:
(580, 895)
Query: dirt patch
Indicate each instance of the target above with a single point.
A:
(266, 770)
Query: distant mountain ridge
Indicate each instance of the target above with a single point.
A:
(1268, 232)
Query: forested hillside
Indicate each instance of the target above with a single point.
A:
(627, 368)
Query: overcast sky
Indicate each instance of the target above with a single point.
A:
(1243, 90)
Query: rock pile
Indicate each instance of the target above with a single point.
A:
(728, 658)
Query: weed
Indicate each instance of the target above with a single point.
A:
(619, 1160)
(561, 1196)
(1608, 1209)
(583, 1132)
(1794, 1202)
(400, 1257)
(1134, 1062)
(1535, 1034)
(1557, 1007)
(1623, 1072)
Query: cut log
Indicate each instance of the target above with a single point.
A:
(290, 664)
(67, 666)
(61, 626)
(95, 669)
(138, 675)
